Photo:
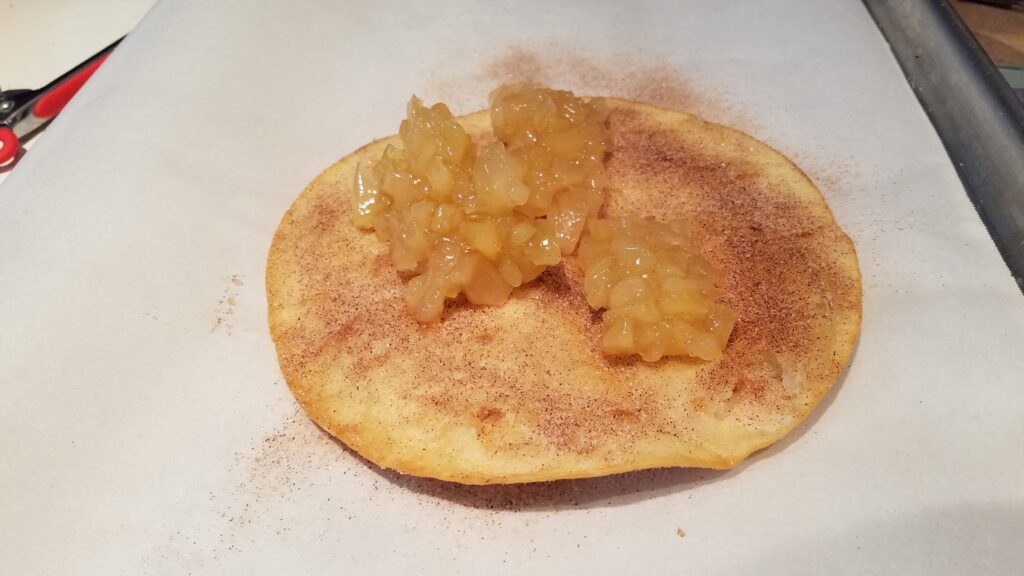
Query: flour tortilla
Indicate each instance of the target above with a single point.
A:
(521, 392)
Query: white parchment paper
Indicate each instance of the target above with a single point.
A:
(145, 427)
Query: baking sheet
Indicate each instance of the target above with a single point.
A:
(144, 425)
(973, 109)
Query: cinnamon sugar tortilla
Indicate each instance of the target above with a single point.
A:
(521, 392)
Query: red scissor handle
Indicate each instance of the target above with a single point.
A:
(35, 108)
(8, 145)
(51, 103)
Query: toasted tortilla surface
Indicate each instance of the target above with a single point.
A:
(521, 392)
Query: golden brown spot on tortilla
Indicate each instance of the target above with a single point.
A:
(488, 414)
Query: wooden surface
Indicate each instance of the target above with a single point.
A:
(1000, 30)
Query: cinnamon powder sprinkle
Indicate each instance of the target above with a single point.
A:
(528, 377)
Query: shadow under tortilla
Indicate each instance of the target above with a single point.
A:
(584, 493)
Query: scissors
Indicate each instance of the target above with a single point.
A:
(24, 113)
